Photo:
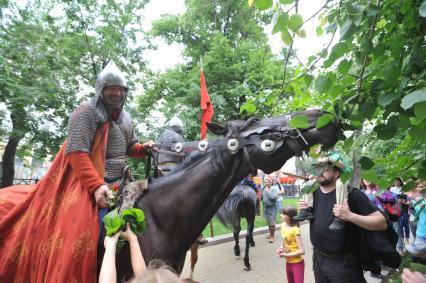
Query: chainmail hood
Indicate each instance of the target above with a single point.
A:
(109, 76)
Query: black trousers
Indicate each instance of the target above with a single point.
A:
(341, 270)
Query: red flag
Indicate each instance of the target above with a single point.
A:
(206, 106)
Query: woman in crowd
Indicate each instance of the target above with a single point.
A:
(418, 247)
(269, 199)
(396, 189)
(370, 190)
(416, 197)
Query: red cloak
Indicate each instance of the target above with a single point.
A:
(49, 231)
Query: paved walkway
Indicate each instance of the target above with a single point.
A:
(217, 263)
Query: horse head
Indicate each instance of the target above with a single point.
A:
(178, 206)
(269, 142)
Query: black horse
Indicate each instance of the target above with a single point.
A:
(241, 203)
(178, 206)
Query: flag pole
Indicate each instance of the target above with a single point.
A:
(211, 221)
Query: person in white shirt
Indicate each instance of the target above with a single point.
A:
(396, 190)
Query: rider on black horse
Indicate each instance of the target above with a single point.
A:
(167, 162)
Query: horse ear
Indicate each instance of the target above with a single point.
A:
(216, 129)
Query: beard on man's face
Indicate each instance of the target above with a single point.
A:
(325, 181)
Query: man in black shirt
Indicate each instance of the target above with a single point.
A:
(335, 253)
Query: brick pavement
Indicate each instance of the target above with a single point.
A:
(217, 263)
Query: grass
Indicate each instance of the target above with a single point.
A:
(395, 275)
(219, 229)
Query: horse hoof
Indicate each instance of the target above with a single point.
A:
(247, 268)
(253, 244)
(237, 251)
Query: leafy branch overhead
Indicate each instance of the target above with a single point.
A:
(373, 78)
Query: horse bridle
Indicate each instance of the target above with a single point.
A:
(268, 142)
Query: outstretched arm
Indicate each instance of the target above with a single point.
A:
(139, 150)
(108, 272)
(138, 262)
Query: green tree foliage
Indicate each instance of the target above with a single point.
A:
(237, 62)
(33, 85)
(373, 78)
(46, 59)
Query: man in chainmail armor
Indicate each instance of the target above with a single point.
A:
(50, 230)
(106, 107)
(172, 134)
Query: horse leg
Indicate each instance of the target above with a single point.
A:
(250, 228)
(246, 256)
(249, 241)
(237, 229)
(194, 259)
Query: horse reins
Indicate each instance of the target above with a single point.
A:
(268, 142)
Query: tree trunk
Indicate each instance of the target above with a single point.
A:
(356, 174)
(9, 162)
(18, 132)
(356, 155)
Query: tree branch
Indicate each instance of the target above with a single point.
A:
(316, 13)
(366, 56)
(364, 65)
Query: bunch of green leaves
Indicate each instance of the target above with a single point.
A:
(114, 221)
(309, 187)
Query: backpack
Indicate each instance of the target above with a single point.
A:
(393, 210)
(390, 205)
(376, 245)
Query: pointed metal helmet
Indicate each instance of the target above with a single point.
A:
(175, 122)
(110, 76)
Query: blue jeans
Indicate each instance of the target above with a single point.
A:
(403, 225)
(279, 204)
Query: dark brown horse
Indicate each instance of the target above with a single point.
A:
(241, 203)
(178, 206)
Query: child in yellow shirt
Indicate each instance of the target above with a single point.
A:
(292, 246)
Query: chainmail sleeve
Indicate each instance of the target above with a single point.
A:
(129, 131)
(82, 128)
(133, 140)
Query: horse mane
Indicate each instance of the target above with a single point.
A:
(190, 160)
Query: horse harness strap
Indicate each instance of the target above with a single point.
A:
(268, 142)
(247, 157)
